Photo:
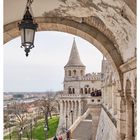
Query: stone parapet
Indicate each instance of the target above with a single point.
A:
(110, 116)
(106, 128)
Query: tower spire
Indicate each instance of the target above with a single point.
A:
(74, 59)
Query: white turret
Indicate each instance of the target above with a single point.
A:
(74, 68)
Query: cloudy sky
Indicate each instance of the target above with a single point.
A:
(43, 69)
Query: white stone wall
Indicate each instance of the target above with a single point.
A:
(72, 69)
(81, 84)
(106, 129)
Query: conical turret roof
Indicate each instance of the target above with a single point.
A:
(74, 59)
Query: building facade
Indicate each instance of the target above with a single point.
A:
(80, 90)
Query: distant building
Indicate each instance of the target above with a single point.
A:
(80, 90)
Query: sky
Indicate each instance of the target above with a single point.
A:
(12, 49)
(43, 69)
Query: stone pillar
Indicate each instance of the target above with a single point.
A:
(79, 114)
(61, 108)
(61, 115)
(121, 114)
(102, 90)
(66, 105)
(68, 113)
(110, 96)
(74, 111)
(70, 108)
(71, 113)
(113, 99)
(129, 120)
(105, 96)
(115, 92)
(102, 95)
(82, 108)
(64, 109)
(76, 108)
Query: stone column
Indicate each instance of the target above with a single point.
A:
(61, 116)
(110, 96)
(121, 113)
(79, 114)
(74, 111)
(61, 109)
(115, 100)
(129, 120)
(111, 92)
(112, 102)
(71, 119)
(68, 107)
(105, 96)
(69, 114)
(64, 109)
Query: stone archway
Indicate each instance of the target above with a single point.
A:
(109, 25)
(84, 30)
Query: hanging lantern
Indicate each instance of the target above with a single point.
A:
(27, 26)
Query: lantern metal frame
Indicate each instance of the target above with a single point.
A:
(28, 27)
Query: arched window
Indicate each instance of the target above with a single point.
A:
(86, 91)
(92, 100)
(74, 72)
(81, 90)
(89, 90)
(69, 72)
(69, 90)
(73, 90)
(81, 72)
(98, 100)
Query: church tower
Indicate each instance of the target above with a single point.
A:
(74, 67)
(74, 70)
(78, 87)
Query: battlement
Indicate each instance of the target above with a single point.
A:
(87, 77)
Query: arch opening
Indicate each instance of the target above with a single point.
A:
(85, 31)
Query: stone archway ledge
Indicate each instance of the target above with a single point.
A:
(129, 65)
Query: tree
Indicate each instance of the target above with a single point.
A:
(21, 119)
(48, 105)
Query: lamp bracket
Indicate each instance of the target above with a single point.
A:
(29, 2)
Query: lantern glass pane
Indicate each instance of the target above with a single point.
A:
(29, 35)
(22, 36)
